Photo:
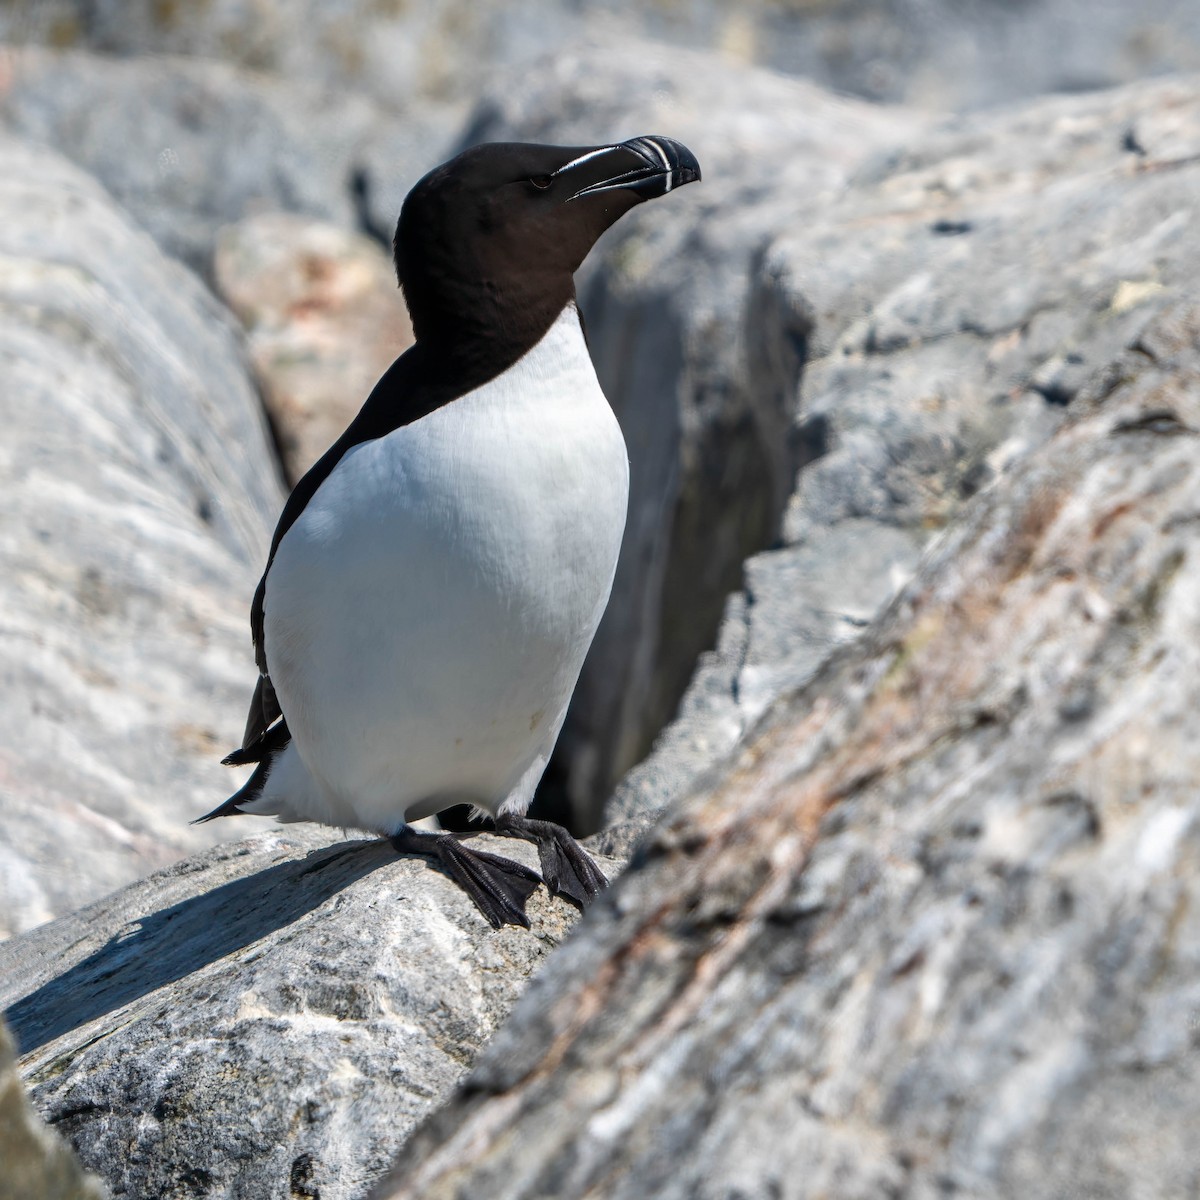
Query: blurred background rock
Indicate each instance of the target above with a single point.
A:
(934, 53)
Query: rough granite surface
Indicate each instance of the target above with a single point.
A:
(269, 1018)
(936, 928)
(950, 303)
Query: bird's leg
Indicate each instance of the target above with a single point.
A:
(566, 867)
(498, 885)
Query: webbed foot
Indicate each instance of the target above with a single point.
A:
(567, 868)
(498, 885)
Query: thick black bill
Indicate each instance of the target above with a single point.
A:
(647, 166)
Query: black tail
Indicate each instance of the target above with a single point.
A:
(262, 752)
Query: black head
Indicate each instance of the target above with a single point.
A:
(487, 244)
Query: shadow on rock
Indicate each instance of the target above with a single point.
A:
(160, 948)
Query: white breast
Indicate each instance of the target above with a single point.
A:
(428, 613)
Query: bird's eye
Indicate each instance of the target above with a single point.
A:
(541, 182)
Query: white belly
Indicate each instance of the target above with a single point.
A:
(428, 613)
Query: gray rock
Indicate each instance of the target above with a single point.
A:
(935, 929)
(138, 498)
(950, 55)
(37, 1164)
(665, 297)
(960, 291)
(389, 51)
(187, 147)
(324, 319)
(395, 151)
(939, 53)
(270, 1018)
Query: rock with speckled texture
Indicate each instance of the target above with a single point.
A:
(930, 327)
(270, 1018)
(936, 929)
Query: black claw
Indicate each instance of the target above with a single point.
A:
(567, 868)
(499, 886)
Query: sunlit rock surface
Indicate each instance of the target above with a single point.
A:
(270, 1018)
(139, 492)
(935, 928)
(938, 53)
(929, 326)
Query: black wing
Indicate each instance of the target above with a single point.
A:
(264, 707)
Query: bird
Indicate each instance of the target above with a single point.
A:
(436, 578)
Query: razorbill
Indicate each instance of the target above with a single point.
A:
(436, 578)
